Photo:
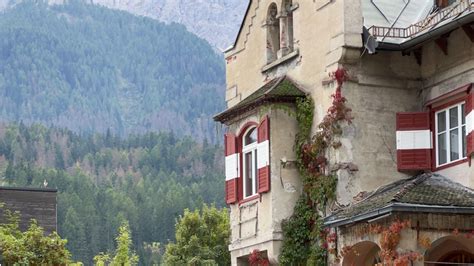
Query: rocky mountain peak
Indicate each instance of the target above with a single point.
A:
(216, 21)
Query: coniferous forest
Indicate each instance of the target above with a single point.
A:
(103, 179)
(89, 69)
(115, 112)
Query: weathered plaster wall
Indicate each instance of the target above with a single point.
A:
(436, 228)
(380, 86)
(318, 47)
(444, 73)
(257, 224)
(327, 34)
(387, 83)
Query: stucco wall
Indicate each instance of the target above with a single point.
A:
(256, 224)
(327, 35)
(318, 49)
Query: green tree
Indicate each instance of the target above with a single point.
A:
(124, 256)
(148, 180)
(59, 159)
(74, 232)
(31, 247)
(202, 238)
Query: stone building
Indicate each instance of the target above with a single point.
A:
(410, 68)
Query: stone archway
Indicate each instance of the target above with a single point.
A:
(450, 249)
(365, 253)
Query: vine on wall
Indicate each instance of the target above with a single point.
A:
(389, 239)
(304, 238)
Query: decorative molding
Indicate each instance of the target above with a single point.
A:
(280, 60)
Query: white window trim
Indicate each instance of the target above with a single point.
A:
(448, 139)
(250, 148)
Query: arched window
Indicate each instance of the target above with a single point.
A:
(286, 24)
(247, 161)
(249, 154)
(273, 33)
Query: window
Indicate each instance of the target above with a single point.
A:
(450, 134)
(273, 33)
(247, 162)
(287, 37)
(249, 154)
(279, 25)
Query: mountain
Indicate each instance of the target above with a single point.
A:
(217, 21)
(102, 179)
(89, 68)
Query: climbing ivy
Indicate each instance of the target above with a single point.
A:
(304, 238)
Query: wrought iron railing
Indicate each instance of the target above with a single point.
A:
(429, 22)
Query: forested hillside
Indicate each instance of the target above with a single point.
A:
(89, 69)
(102, 179)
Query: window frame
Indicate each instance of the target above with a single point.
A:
(252, 149)
(459, 101)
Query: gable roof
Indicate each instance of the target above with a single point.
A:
(278, 90)
(240, 29)
(423, 193)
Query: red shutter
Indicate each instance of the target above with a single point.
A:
(468, 109)
(414, 141)
(231, 168)
(263, 156)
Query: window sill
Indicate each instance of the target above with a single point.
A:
(281, 60)
(444, 166)
(254, 197)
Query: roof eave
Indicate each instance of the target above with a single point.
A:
(231, 113)
(31, 189)
(400, 207)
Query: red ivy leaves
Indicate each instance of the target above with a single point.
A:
(389, 239)
(313, 157)
(340, 76)
(256, 259)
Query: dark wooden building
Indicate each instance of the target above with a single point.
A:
(32, 203)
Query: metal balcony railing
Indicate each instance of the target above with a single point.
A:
(429, 22)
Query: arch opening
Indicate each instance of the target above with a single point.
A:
(450, 249)
(273, 33)
(287, 39)
(364, 254)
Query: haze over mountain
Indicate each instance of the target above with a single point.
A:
(217, 21)
(89, 68)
